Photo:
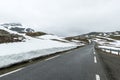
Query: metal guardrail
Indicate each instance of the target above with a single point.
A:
(96, 46)
(108, 50)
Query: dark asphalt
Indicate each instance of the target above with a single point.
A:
(73, 65)
(111, 64)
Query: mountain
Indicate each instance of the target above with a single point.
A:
(88, 36)
(6, 37)
(17, 27)
(15, 32)
(104, 34)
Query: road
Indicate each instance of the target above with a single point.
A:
(79, 64)
(111, 63)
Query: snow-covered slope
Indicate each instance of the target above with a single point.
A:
(31, 44)
(108, 44)
(47, 37)
(16, 52)
(53, 37)
(32, 47)
(17, 27)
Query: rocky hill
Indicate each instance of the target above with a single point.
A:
(5, 36)
(17, 27)
(88, 36)
(16, 32)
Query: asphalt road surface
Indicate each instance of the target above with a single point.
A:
(111, 63)
(80, 64)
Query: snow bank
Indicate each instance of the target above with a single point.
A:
(111, 50)
(107, 47)
(112, 46)
(51, 37)
(11, 53)
(8, 60)
(113, 43)
(30, 45)
(14, 32)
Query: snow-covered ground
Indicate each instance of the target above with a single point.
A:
(29, 45)
(112, 50)
(52, 37)
(111, 45)
(11, 53)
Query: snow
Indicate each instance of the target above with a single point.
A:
(15, 58)
(111, 50)
(76, 41)
(113, 43)
(14, 32)
(116, 35)
(20, 51)
(108, 46)
(11, 53)
(29, 45)
(9, 27)
(106, 38)
(51, 37)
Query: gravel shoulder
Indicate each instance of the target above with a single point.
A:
(111, 64)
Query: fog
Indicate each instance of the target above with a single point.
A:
(63, 17)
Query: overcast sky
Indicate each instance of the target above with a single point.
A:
(63, 17)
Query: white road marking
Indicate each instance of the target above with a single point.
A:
(11, 72)
(97, 77)
(95, 59)
(52, 57)
(94, 52)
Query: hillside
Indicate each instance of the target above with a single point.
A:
(16, 47)
(7, 36)
(93, 35)
(17, 27)
(16, 32)
(108, 40)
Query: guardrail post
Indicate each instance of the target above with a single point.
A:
(110, 51)
(118, 52)
(104, 50)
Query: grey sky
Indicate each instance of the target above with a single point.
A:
(63, 17)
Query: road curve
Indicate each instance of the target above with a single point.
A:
(79, 64)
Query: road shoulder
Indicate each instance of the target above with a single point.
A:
(111, 64)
